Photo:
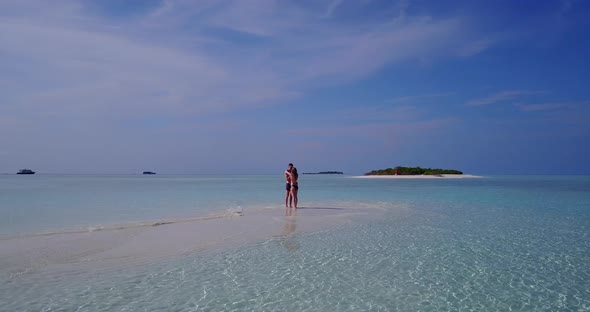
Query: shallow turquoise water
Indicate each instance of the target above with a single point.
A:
(30, 204)
(497, 243)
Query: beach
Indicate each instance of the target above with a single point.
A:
(497, 243)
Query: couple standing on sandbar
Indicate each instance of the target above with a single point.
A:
(292, 186)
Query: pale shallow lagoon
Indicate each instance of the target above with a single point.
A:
(88, 243)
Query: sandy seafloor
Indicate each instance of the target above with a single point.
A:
(180, 244)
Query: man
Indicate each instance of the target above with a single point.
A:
(288, 197)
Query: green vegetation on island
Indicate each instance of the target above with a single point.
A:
(399, 170)
(325, 172)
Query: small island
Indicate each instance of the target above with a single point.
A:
(325, 172)
(399, 170)
(148, 172)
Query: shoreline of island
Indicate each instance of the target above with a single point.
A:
(422, 176)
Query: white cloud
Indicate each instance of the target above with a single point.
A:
(500, 97)
(540, 107)
(65, 56)
(418, 98)
(70, 73)
(332, 7)
(550, 106)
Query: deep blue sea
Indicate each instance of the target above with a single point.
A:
(226, 243)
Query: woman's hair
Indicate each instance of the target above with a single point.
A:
(294, 172)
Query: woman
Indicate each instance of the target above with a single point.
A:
(288, 198)
(294, 185)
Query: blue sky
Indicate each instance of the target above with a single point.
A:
(222, 87)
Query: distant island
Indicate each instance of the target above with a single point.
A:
(148, 172)
(399, 170)
(325, 172)
(25, 171)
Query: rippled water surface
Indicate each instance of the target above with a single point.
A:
(496, 243)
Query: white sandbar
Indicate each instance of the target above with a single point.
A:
(145, 243)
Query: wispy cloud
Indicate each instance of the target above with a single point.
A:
(81, 74)
(475, 47)
(540, 107)
(550, 106)
(384, 125)
(407, 130)
(499, 97)
(418, 98)
(135, 65)
(376, 114)
(332, 7)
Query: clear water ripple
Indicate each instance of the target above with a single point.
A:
(505, 244)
